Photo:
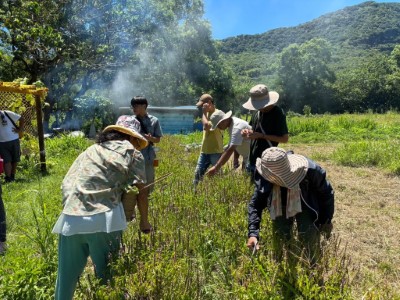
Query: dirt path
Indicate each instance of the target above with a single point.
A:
(367, 220)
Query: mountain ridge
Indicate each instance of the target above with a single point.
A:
(366, 25)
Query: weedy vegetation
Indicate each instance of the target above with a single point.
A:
(198, 249)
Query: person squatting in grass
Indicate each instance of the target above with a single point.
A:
(293, 188)
(269, 127)
(212, 143)
(92, 219)
(236, 143)
(150, 128)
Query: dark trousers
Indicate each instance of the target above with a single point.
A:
(2, 218)
(308, 234)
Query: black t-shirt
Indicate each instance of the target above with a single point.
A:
(273, 122)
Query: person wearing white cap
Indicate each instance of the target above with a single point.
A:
(269, 127)
(92, 218)
(212, 144)
(293, 188)
(237, 142)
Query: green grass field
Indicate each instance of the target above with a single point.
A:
(198, 249)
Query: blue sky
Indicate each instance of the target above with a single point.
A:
(234, 17)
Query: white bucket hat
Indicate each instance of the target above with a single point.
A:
(261, 97)
(218, 117)
(281, 168)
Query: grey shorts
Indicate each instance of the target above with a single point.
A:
(150, 174)
(10, 151)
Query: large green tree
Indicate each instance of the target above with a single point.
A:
(162, 49)
(305, 76)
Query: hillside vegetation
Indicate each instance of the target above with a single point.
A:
(347, 60)
(369, 25)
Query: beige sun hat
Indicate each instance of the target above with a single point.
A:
(218, 116)
(281, 168)
(204, 98)
(130, 131)
(261, 97)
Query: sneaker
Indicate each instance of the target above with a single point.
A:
(2, 248)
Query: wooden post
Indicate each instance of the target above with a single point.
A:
(39, 120)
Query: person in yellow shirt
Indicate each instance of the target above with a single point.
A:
(212, 144)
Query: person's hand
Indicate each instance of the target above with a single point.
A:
(326, 230)
(212, 171)
(206, 107)
(246, 132)
(252, 243)
(255, 135)
(148, 137)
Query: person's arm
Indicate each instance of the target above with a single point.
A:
(21, 124)
(152, 139)
(204, 120)
(157, 133)
(326, 197)
(143, 206)
(222, 160)
(257, 204)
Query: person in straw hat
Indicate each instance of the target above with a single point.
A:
(92, 219)
(293, 188)
(212, 144)
(236, 141)
(269, 127)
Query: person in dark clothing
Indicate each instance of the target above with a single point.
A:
(293, 188)
(269, 127)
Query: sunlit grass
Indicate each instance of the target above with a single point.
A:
(198, 249)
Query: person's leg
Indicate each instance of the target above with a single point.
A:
(309, 235)
(150, 176)
(143, 200)
(3, 228)
(202, 165)
(73, 252)
(235, 159)
(16, 157)
(103, 246)
(281, 235)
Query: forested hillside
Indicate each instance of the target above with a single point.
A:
(342, 61)
(365, 26)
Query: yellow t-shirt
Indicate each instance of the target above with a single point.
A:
(212, 140)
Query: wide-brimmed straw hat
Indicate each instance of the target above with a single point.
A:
(130, 131)
(204, 98)
(217, 117)
(261, 97)
(282, 168)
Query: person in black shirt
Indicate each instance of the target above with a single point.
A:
(269, 127)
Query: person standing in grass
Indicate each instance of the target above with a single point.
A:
(293, 188)
(92, 219)
(237, 142)
(12, 125)
(3, 228)
(269, 127)
(212, 144)
(150, 128)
